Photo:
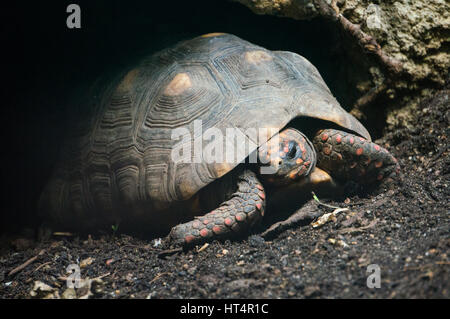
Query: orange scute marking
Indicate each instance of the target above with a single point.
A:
(204, 232)
(178, 85)
(257, 56)
(213, 34)
(359, 151)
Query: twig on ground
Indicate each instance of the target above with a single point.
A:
(307, 212)
(168, 252)
(42, 265)
(357, 230)
(325, 218)
(64, 278)
(203, 248)
(102, 276)
(65, 234)
(25, 264)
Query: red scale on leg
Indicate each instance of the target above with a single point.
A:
(189, 238)
(204, 232)
(359, 151)
(218, 229)
(228, 221)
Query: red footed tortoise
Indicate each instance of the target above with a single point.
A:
(140, 157)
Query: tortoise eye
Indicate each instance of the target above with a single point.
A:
(292, 151)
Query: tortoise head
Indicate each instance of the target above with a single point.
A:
(286, 157)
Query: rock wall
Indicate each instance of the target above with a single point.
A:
(415, 32)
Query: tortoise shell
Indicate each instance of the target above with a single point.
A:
(123, 153)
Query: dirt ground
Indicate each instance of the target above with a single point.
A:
(404, 230)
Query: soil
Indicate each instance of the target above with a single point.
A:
(404, 230)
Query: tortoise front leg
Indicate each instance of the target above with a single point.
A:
(346, 156)
(231, 218)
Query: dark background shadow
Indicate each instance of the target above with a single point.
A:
(44, 62)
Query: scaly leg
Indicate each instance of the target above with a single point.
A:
(232, 217)
(346, 157)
